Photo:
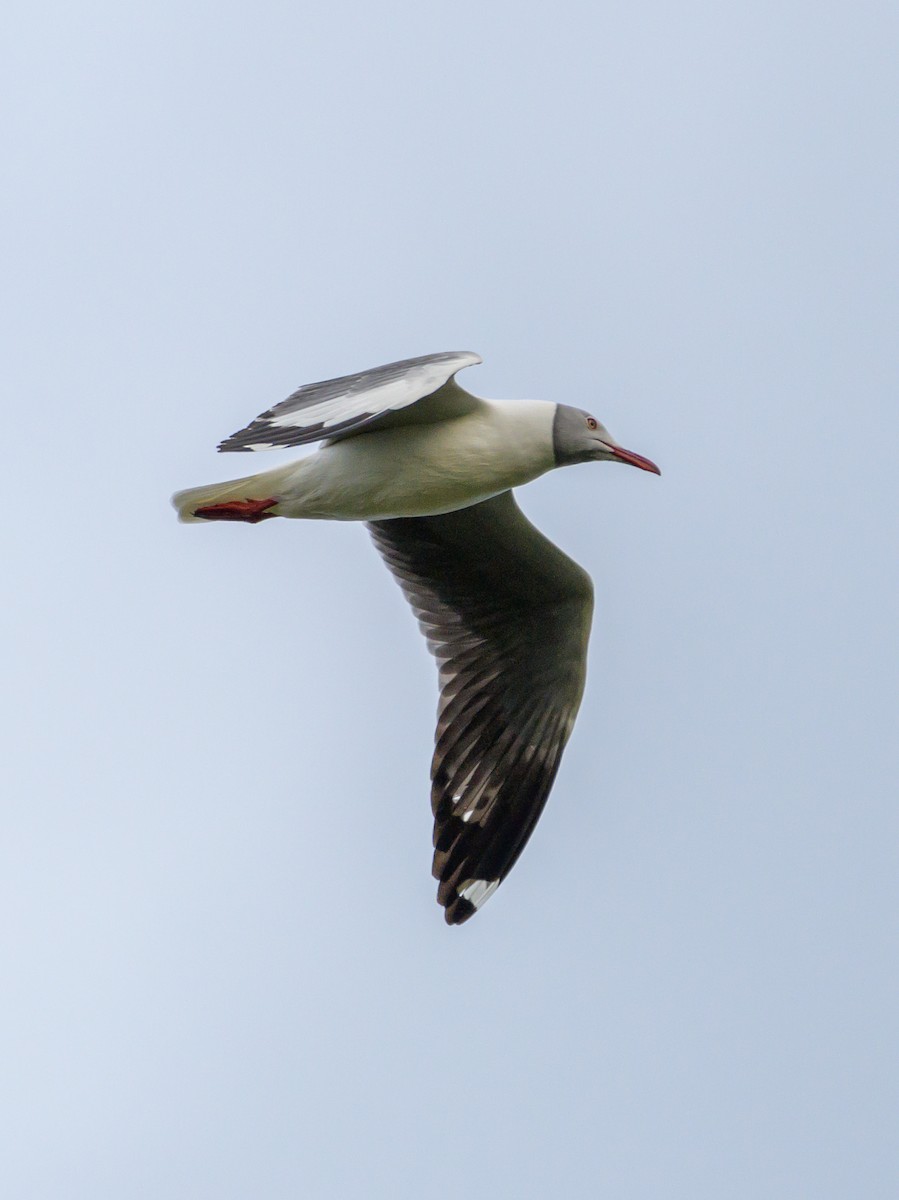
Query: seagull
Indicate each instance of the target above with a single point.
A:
(430, 469)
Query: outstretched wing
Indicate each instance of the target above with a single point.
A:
(507, 617)
(340, 406)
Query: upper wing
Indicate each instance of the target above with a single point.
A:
(507, 616)
(337, 406)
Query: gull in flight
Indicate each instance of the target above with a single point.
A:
(506, 614)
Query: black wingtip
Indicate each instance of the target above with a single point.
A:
(458, 911)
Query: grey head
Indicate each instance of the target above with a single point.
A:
(578, 437)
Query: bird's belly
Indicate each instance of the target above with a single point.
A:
(409, 473)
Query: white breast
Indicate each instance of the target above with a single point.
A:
(421, 470)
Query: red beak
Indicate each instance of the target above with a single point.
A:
(636, 460)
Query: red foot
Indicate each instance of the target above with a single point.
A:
(251, 511)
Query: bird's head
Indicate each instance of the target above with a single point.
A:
(579, 437)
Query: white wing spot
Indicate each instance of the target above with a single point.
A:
(357, 401)
(478, 891)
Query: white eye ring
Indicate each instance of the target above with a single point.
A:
(592, 423)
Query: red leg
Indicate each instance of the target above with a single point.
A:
(250, 511)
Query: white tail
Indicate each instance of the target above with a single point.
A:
(252, 488)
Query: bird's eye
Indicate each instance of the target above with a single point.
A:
(592, 423)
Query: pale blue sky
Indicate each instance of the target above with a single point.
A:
(224, 972)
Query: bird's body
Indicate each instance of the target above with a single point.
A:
(409, 470)
(430, 468)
